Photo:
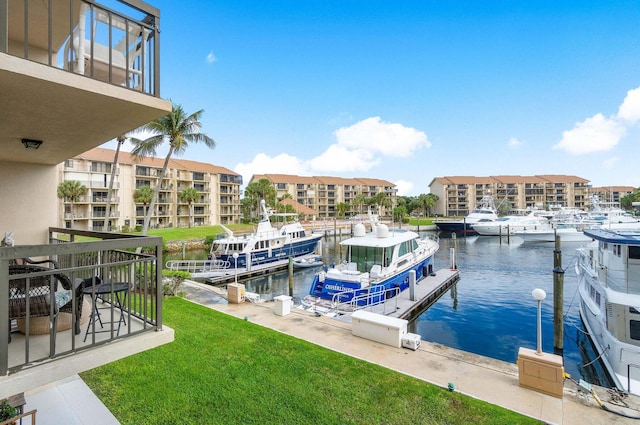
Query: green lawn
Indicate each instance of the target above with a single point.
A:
(224, 370)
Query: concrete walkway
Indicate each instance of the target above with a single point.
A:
(480, 377)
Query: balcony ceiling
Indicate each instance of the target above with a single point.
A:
(70, 113)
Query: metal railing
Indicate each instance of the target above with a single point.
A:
(119, 45)
(109, 256)
(380, 300)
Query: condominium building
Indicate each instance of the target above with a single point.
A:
(612, 193)
(458, 195)
(218, 190)
(324, 193)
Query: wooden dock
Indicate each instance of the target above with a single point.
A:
(427, 291)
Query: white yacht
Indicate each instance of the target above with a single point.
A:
(509, 224)
(609, 285)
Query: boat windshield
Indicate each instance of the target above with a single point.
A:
(366, 256)
(222, 248)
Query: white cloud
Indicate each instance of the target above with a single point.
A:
(610, 162)
(357, 149)
(374, 135)
(630, 109)
(594, 134)
(265, 164)
(340, 159)
(359, 146)
(404, 187)
(211, 57)
(514, 143)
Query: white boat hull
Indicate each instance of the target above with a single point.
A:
(566, 235)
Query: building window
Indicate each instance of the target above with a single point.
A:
(68, 163)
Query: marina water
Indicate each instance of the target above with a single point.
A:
(490, 311)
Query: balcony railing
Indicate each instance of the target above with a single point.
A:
(111, 257)
(120, 46)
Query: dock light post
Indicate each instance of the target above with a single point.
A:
(235, 259)
(539, 295)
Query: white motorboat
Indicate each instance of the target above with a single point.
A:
(609, 285)
(307, 262)
(548, 233)
(509, 224)
(485, 211)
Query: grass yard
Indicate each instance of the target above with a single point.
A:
(223, 370)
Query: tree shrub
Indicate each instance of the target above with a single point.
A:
(172, 282)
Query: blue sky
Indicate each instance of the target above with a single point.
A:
(409, 90)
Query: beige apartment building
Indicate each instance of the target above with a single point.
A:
(458, 195)
(324, 193)
(612, 193)
(218, 191)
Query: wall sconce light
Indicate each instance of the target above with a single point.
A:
(31, 144)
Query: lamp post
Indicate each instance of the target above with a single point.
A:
(539, 295)
(235, 259)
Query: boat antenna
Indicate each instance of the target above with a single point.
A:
(265, 213)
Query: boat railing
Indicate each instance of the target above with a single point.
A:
(197, 266)
(378, 301)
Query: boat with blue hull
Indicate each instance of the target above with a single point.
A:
(377, 267)
(268, 244)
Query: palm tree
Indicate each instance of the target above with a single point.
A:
(262, 189)
(359, 200)
(121, 140)
(381, 200)
(342, 208)
(179, 129)
(71, 190)
(188, 195)
(143, 195)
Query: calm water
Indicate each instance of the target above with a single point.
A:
(490, 311)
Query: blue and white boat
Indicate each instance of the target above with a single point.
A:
(376, 267)
(609, 285)
(268, 244)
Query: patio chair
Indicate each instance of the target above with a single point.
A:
(120, 62)
(40, 301)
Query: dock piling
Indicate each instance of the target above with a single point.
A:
(558, 297)
(291, 276)
(412, 285)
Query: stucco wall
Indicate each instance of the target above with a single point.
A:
(28, 201)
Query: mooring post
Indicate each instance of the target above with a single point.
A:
(412, 285)
(558, 297)
(291, 276)
(508, 235)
